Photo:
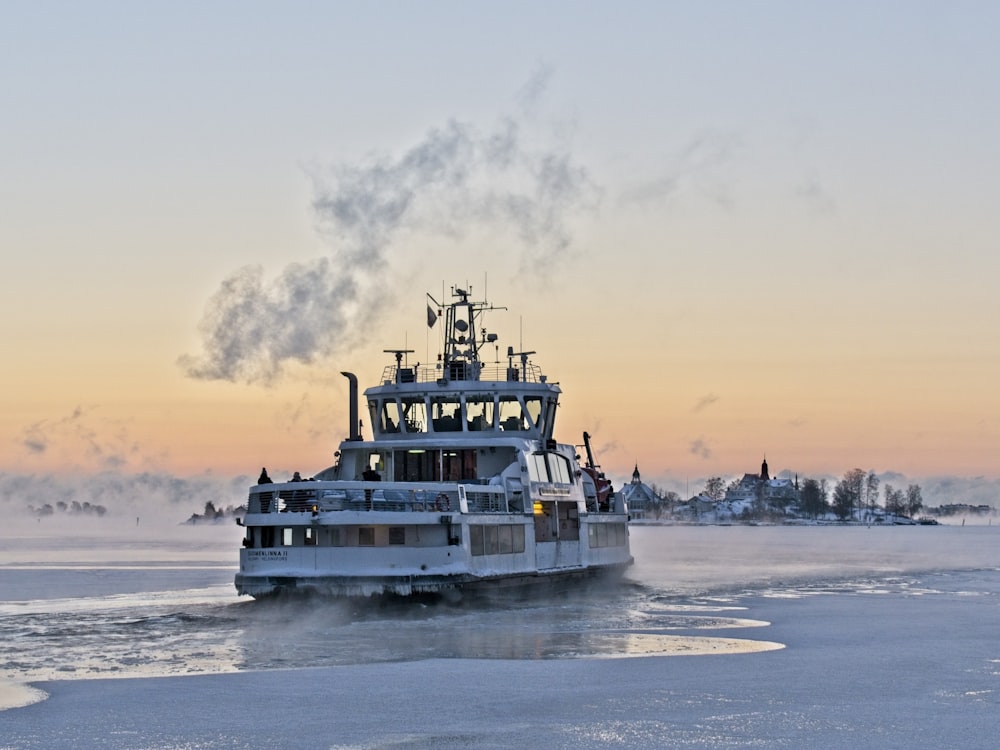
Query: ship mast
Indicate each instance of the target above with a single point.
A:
(464, 336)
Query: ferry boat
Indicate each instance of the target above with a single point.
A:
(462, 486)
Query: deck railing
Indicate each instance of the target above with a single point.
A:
(302, 497)
(497, 372)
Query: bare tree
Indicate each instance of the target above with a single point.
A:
(914, 500)
(871, 492)
(715, 488)
(847, 494)
(813, 498)
(895, 500)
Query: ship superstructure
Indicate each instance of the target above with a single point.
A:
(461, 486)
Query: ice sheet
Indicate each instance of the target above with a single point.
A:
(890, 639)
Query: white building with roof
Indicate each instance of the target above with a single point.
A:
(642, 501)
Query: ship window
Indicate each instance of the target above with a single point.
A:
(366, 536)
(447, 414)
(548, 416)
(414, 414)
(505, 544)
(537, 469)
(266, 536)
(517, 539)
(335, 538)
(503, 539)
(511, 415)
(458, 465)
(286, 537)
(559, 468)
(388, 417)
(397, 535)
(607, 535)
(416, 465)
(310, 538)
(476, 539)
(549, 467)
(479, 410)
(491, 540)
(533, 406)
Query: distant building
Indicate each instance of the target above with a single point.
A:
(762, 490)
(642, 501)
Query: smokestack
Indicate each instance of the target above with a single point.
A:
(355, 431)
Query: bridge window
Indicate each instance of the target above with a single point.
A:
(447, 414)
(511, 415)
(414, 414)
(480, 412)
(388, 417)
(533, 406)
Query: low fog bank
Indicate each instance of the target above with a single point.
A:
(111, 500)
(700, 559)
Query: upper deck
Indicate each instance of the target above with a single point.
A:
(461, 393)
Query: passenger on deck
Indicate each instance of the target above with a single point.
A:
(296, 477)
(263, 478)
(370, 475)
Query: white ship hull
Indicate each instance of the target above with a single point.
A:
(354, 553)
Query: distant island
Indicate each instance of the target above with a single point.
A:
(760, 498)
(212, 514)
(72, 508)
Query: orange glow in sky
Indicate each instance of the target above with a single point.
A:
(732, 242)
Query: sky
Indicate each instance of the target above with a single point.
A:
(729, 229)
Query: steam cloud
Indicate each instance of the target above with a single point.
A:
(456, 178)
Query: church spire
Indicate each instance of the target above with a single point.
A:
(635, 475)
(763, 470)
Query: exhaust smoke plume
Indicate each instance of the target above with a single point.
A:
(456, 179)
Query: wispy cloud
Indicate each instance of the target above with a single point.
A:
(704, 402)
(698, 167)
(456, 178)
(530, 95)
(700, 448)
(815, 195)
(82, 433)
